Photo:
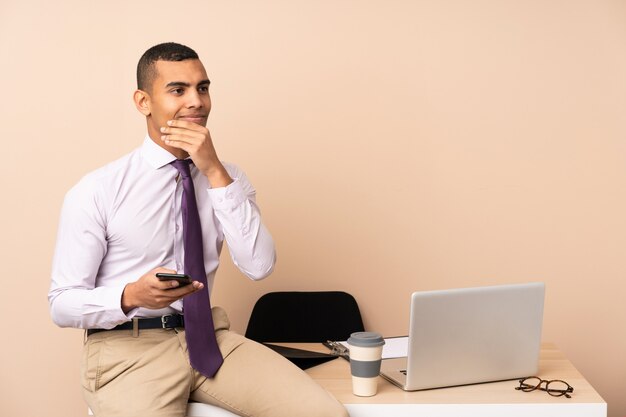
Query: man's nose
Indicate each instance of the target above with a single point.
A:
(194, 100)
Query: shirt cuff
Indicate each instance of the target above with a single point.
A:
(108, 312)
(229, 197)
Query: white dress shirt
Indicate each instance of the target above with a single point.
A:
(124, 219)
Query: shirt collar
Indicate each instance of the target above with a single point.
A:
(154, 155)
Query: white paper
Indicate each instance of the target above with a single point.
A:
(395, 347)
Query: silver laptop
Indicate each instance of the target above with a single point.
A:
(470, 335)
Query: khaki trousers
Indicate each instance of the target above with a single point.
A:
(150, 375)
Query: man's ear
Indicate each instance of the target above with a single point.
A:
(142, 102)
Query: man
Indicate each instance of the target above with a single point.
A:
(124, 223)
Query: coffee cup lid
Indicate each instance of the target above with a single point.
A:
(366, 339)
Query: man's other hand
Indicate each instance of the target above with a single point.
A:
(196, 141)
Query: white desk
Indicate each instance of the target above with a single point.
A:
(482, 400)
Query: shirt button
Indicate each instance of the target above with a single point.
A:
(177, 227)
(178, 268)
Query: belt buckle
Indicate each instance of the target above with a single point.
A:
(164, 320)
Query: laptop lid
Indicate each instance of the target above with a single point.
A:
(471, 335)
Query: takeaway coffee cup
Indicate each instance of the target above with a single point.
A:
(366, 350)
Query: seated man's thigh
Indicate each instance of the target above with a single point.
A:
(136, 376)
(256, 381)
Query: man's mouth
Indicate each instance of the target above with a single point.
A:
(196, 118)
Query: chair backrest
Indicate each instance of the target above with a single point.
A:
(304, 317)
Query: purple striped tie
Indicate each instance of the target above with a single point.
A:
(204, 354)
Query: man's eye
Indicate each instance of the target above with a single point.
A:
(177, 91)
(203, 89)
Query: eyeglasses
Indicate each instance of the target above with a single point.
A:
(555, 387)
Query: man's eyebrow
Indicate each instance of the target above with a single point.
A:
(184, 84)
(177, 84)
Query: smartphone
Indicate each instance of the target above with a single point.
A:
(182, 279)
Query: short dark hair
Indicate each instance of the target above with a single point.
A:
(168, 51)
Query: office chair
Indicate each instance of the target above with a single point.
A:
(307, 317)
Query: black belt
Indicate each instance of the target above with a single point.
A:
(165, 322)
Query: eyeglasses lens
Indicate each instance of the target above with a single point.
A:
(558, 388)
(529, 384)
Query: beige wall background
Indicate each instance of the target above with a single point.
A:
(395, 145)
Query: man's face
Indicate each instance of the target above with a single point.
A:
(180, 90)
